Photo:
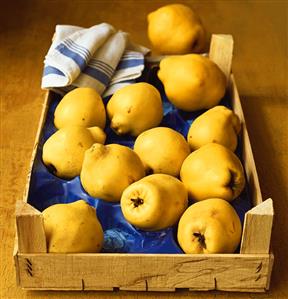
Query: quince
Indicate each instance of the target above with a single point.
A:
(209, 226)
(82, 106)
(135, 108)
(175, 29)
(154, 202)
(213, 171)
(162, 150)
(63, 152)
(192, 82)
(108, 170)
(72, 228)
(219, 124)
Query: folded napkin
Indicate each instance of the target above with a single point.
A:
(99, 57)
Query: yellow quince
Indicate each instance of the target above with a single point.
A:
(192, 82)
(175, 29)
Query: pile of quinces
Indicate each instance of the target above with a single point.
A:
(154, 180)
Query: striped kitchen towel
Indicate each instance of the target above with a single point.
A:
(99, 57)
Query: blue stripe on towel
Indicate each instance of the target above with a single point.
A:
(129, 63)
(52, 70)
(81, 50)
(79, 46)
(102, 63)
(63, 49)
(101, 67)
(97, 74)
(72, 48)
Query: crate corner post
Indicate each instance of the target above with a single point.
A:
(221, 52)
(30, 229)
(257, 229)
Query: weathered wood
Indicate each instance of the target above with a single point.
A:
(144, 271)
(30, 229)
(221, 52)
(47, 100)
(271, 263)
(247, 154)
(257, 228)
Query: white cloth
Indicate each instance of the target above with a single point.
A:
(99, 57)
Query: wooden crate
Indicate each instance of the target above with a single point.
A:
(247, 271)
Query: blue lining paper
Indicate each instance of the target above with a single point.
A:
(119, 236)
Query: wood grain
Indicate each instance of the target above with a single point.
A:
(257, 228)
(248, 160)
(221, 52)
(30, 229)
(143, 272)
(260, 66)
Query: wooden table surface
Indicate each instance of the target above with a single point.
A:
(260, 66)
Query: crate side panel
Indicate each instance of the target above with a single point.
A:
(143, 272)
(247, 154)
(48, 98)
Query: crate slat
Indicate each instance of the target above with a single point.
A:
(247, 153)
(47, 100)
(144, 272)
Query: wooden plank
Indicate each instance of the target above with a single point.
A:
(30, 229)
(47, 100)
(257, 228)
(233, 272)
(221, 52)
(271, 263)
(161, 289)
(247, 154)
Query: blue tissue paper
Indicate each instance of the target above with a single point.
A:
(119, 236)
